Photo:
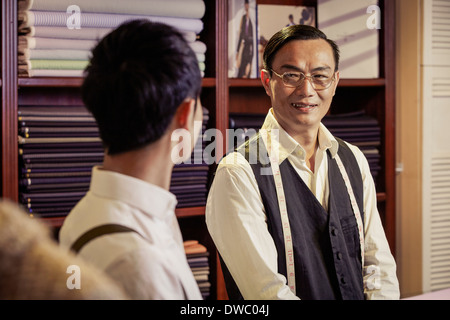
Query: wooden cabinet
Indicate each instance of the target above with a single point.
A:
(221, 96)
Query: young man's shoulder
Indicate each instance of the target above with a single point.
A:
(91, 212)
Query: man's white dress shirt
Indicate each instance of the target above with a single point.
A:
(236, 219)
(149, 265)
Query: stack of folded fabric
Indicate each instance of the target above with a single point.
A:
(56, 36)
(356, 128)
(360, 130)
(57, 149)
(58, 146)
(197, 257)
(189, 179)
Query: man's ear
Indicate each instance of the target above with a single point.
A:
(335, 84)
(265, 79)
(185, 114)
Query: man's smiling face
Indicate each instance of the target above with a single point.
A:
(303, 107)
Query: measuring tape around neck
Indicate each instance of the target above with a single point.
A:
(288, 246)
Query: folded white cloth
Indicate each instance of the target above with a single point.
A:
(165, 8)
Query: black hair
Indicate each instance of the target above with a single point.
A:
(296, 32)
(136, 79)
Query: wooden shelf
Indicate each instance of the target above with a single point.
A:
(180, 213)
(379, 82)
(232, 82)
(381, 196)
(209, 82)
(190, 212)
(54, 82)
(67, 82)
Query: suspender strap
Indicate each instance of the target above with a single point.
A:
(103, 230)
(97, 232)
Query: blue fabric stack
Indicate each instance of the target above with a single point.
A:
(59, 145)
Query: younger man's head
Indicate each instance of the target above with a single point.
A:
(138, 76)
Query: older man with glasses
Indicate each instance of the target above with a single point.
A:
(300, 222)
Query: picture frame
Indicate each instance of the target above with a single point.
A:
(242, 36)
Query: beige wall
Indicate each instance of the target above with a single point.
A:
(409, 146)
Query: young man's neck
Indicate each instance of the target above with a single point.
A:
(149, 164)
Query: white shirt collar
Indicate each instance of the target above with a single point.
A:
(288, 145)
(148, 198)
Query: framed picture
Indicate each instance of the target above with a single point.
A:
(242, 44)
(272, 18)
(354, 26)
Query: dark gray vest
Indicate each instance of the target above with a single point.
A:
(327, 253)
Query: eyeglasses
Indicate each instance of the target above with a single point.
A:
(319, 81)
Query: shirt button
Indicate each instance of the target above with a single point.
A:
(334, 231)
(339, 256)
(343, 281)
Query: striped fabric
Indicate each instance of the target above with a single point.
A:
(83, 33)
(102, 20)
(50, 47)
(194, 9)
